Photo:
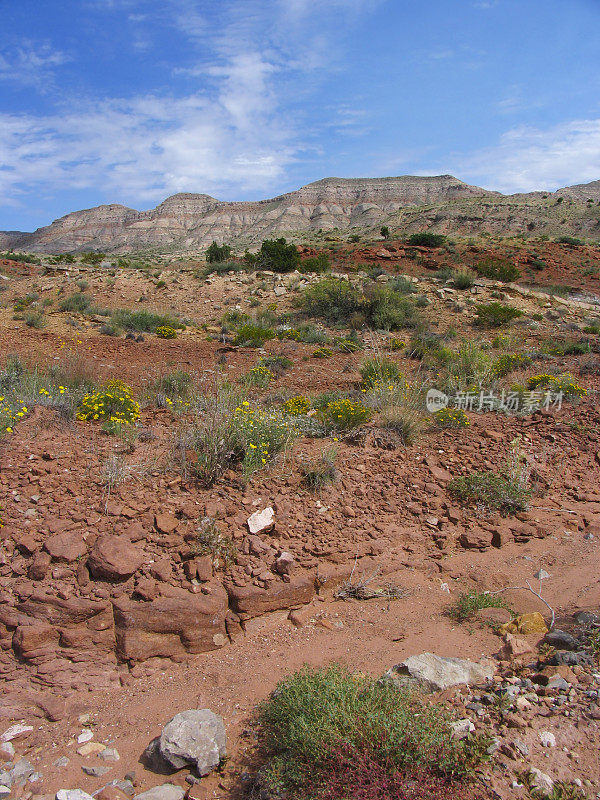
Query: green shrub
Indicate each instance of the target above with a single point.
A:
(259, 376)
(334, 734)
(332, 299)
(497, 270)
(469, 603)
(175, 384)
(318, 472)
(297, 405)
(318, 264)
(494, 315)
(379, 369)
(385, 231)
(501, 492)
(463, 278)
(306, 332)
(216, 254)
(110, 329)
(278, 256)
(210, 541)
(78, 303)
(402, 285)
(253, 335)
(348, 345)
(405, 419)
(570, 240)
(508, 363)
(426, 239)
(35, 319)
(144, 321)
(92, 258)
(221, 268)
(388, 310)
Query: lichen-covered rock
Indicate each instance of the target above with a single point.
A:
(194, 737)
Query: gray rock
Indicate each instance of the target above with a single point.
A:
(6, 779)
(110, 754)
(540, 781)
(561, 640)
(63, 761)
(569, 658)
(436, 673)
(95, 772)
(165, 792)
(73, 794)
(195, 737)
(556, 682)
(125, 786)
(154, 760)
(21, 771)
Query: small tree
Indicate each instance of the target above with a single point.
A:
(385, 231)
(426, 239)
(278, 256)
(216, 254)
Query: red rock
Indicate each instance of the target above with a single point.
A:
(40, 566)
(515, 647)
(285, 563)
(475, 539)
(68, 546)
(162, 570)
(170, 626)
(165, 523)
(33, 640)
(111, 793)
(204, 568)
(114, 558)
(251, 601)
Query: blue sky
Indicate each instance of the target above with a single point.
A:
(130, 101)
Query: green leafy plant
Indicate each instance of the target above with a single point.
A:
(497, 270)
(343, 415)
(494, 315)
(216, 254)
(253, 335)
(469, 603)
(426, 239)
(278, 256)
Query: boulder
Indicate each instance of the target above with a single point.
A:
(114, 558)
(194, 737)
(436, 673)
(171, 626)
(540, 782)
(73, 794)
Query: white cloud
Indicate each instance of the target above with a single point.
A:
(528, 158)
(30, 63)
(144, 149)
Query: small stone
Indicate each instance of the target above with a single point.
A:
(85, 736)
(63, 761)
(548, 739)
(110, 754)
(16, 732)
(461, 728)
(261, 521)
(95, 772)
(91, 748)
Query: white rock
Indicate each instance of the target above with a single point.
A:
(436, 673)
(540, 781)
(16, 732)
(261, 521)
(73, 794)
(461, 728)
(547, 739)
(85, 736)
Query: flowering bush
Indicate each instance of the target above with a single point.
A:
(508, 363)
(322, 352)
(166, 332)
(379, 369)
(451, 418)
(344, 414)
(259, 376)
(348, 345)
(559, 384)
(252, 335)
(260, 435)
(10, 413)
(112, 404)
(296, 406)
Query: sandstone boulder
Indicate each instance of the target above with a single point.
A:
(251, 601)
(68, 546)
(171, 626)
(114, 558)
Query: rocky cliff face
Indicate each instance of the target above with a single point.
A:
(191, 221)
